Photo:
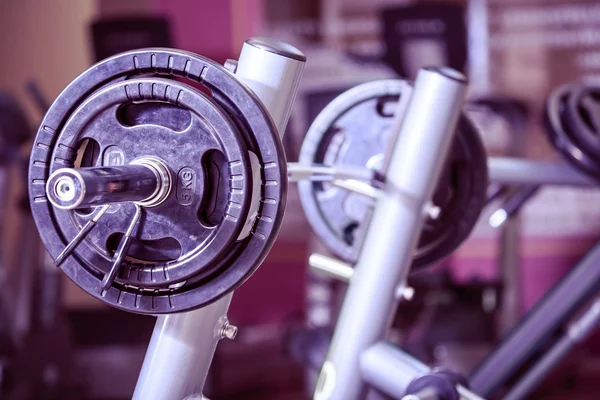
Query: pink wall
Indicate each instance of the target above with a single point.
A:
(544, 261)
(201, 26)
(212, 28)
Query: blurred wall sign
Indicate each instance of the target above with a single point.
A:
(424, 35)
(537, 45)
(113, 36)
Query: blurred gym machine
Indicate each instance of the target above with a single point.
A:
(35, 340)
(339, 180)
(414, 36)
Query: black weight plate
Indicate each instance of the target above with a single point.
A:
(140, 293)
(354, 129)
(582, 118)
(572, 117)
(186, 152)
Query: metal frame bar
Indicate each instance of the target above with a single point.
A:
(551, 312)
(577, 332)
(385, 257)
(391, 370)
(520, 171)
(505, 170)
(558, 306)
(183, 345)
(180, 352)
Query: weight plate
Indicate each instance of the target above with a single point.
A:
(232, 124)
(572, 118)
(355, 129)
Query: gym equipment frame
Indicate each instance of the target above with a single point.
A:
(183, 345)
(358, 356)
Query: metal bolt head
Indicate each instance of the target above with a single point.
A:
(64, 188)
(228, 331)
(408, 293)
(404, 292)
(433, 211)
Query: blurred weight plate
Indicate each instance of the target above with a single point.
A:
(355, 130)
(573, 124)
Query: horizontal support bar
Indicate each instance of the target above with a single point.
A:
(334, 268)
(389, 369)
(324, 173)
(520, 171)
(331, 267)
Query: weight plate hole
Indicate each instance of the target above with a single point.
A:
(159, 113)
(84, 212)
(88, 153)
(349, 232)
(586, 118)
(386, 106)
(213, 206)
(149, 251)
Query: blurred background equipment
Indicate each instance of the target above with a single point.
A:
(354, 130)
(420, 35)
(112, 36)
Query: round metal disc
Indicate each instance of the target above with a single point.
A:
(149, 289)
(572, 118)
(201, 239)
(355, 130)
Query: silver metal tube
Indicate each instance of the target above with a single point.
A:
(578, 331)
(359, 187)
(331, 267)
(389, 369)
(71, 188)
(386, 254)
(478, 37)
(519, 171)
(321, 173)
(180, 353)
(272, 70)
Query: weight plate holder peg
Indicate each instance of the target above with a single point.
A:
(354, 130)
(572, 117)
(179, 195)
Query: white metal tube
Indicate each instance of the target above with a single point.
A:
(180, 353)
(526, 172)
(326, 173)
(390, 369)
(418, 153)
(276, 80)
(331, 267)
